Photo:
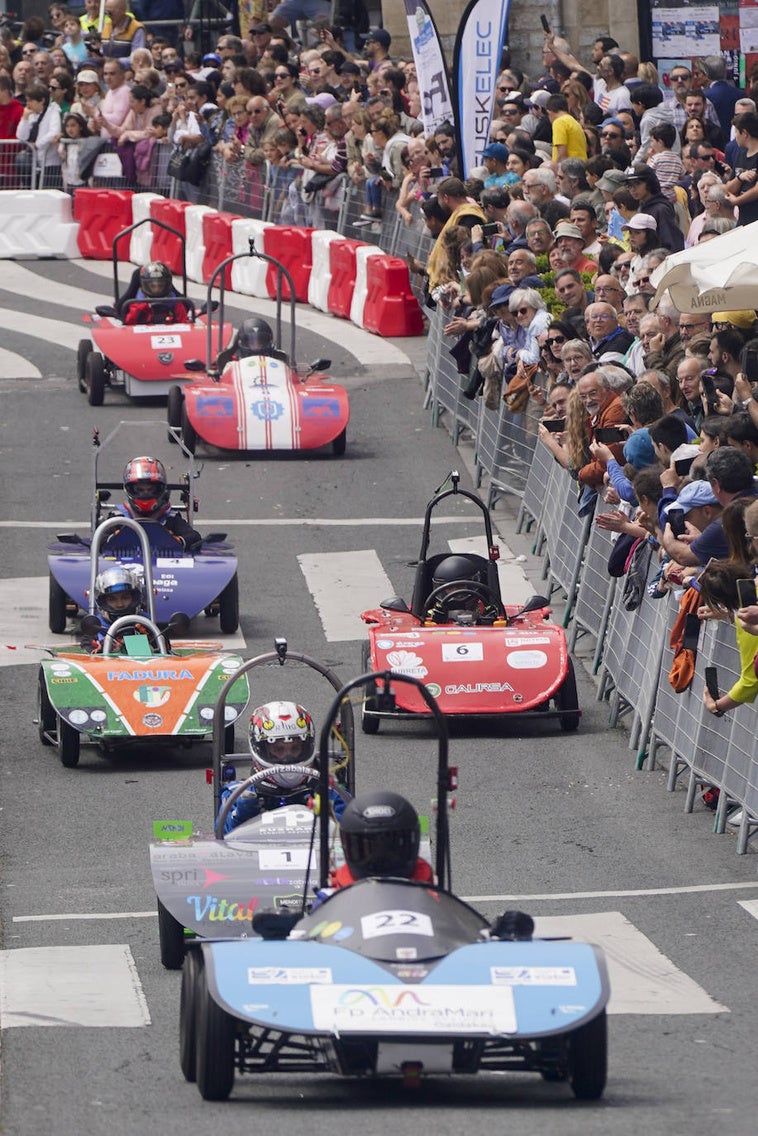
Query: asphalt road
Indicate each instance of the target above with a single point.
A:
(560, 825)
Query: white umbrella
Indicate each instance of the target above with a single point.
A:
(718, 275)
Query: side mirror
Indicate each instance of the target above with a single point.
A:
(107, 310)
(214, 538)
(179, 623)
(194, 365)
(535, 603)
(319, 365)
(274, 924)
(104, 494)
(395, 603)
(69, 538)
(90, 625)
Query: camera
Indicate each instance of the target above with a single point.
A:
(492, 229)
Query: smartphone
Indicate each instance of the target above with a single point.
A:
(610, 434)
(682, 466)
(675, 518)
(691, 632)
(436, 172)
(554, 425)
(710, 392)
(746, 592)
(491, 230)
(712, 682)
(545, 23)
(749, 363)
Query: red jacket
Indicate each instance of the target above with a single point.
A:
(612, 414)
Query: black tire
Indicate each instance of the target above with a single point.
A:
(229, 607)
(83, 351)
(369, 723)
(57, 607)
(189, 436)
(69, 741)
(339, 444)
(171, 938)
(567, 701)
(174, 411)
(45, 714)
(215, 1030)
(95, 378)
(588, 1058)
(192, 974)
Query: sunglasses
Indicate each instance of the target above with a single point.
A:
(29, 51)
(54, 88)
(510, 110)
(181, 84)
(556, 339)
(507, 90)
(522, 311)
(610, 134)
(281, 74)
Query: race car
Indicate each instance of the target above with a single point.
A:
(142, 359)
(477, 655)
(136, 689)
(254, 397)
(207, 884)
(191, 582)
(394, 978)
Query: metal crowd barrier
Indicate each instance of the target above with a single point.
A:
(594, 597)
(19, 166)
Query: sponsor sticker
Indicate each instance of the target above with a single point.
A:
(526, 640)
(462, 652)
(174, 562)
(526, 660)
(434, 689)
(288, 975)
(152, 721)
(385, 644)
(407, 663)
(421, 1009)
(146, 329)
(533, 975)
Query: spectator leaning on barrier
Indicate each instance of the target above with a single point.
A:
(603, 408)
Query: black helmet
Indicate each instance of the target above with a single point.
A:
(455, 568)
(380, 835)
(254, 337)
(155, 280)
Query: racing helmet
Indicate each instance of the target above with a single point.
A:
(380, 835)
(254, 337)
(281, 734)
(155, 280)
(453, 569)
(118, 591)
(146, 488)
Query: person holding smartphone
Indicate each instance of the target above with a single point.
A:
(721, 583)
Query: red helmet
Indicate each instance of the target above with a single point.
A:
(146, 488)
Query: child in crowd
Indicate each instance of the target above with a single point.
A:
(74, 47)
(74, 131)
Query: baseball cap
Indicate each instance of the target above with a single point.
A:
(496, 150)
(260, 29)
(87, 76)
(501, 295)
(212, 58)
(324, 100)
(692, 496)
(638, 449)
(641, 221)
(378, 35)
(743, 319)
(611, 181)
(567, 229)
(538, 97)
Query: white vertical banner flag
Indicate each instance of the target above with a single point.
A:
(476, 62)
(434, 86)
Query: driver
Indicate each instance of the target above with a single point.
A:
(456, 572)
(148, 499)
(281, 734)
(155, 284)
(380, 835)
(254, 337)
(118, 591)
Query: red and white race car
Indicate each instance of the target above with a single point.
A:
(143, 359)
(476, 655)
(259, 401)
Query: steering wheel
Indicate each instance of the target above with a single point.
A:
(467, 590)
(141, 627)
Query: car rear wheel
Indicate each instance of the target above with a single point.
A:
(588, 1058)
(95, 378)
(229, 607)
(567, 701)
(192, 976)
(369, 722)
(69, 741)
(215, 1032)
(174, 412)
(57, 608)
(189, 436)
(83, 351)
(45, 713)
(339, 444)
(171, 938)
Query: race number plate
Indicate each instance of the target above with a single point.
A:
(395, 923)
(161, 342)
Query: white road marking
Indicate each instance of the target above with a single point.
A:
(71, 986)
(37, 327)
(366, 348)
(266, 522)
(343, 584)
(94, 916)
(750, 905)
(642, 979)
(24, 282)
(26, 635)
(17, 365)
(514, 586)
